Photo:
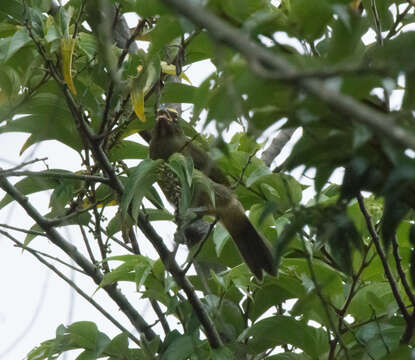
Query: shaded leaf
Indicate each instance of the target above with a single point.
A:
(279, 330)
(139, 183)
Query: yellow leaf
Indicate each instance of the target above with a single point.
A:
(185, 78)
(27, 143)
(67, 48)
(137, 98)
(86, 204)
(170, 69)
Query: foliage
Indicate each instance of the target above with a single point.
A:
(345, 283)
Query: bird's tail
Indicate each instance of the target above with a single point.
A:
(253, 248)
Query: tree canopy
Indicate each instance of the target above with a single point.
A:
(92, 75)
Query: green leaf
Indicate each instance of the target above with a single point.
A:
(48, 119)
(346, 42)
(118, 346)
(385, 17)
(88, 44)
(311, 17)
(13, 9)
(85, 334)
(33, 184)
(7, 30)
(179, 349)
(220, 238)
(81, 219)
(127, 149)
(274, 292)
(10, 46)
(134, 268)
(139, 183)
(240, 10)
(183, 168)
(115, 224)
(363, 305)
(166, 30)
(279, 330)
(289, 356)
(178, 93)
(200, 48)
(150, 8)
(394, 211)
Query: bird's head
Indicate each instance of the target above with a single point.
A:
(167, 123)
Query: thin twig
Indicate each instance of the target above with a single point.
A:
(378, 27)
(5, 171)
(324, 303)
(241, 176)
(56, 238)
(98, 237)
(25, 247)
(199, 249)
(379, 250)
(180, 278)
(56, 175)
(58, 221)
(88, 247)
(76, 288)
(380, 332)
(31, 232)
(168, 260)
(78, 19)
(398, 20)
(137, 31)
(401, 273)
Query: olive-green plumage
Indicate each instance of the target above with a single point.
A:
(167, 139)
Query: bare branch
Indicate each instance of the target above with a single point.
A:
(75, 287)
(56, 238)
(277, 145)
(22, 165)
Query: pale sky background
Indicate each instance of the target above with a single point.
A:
(34, 300)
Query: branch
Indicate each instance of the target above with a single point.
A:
(75, 287)
(56, 175)
(24, 164)
(258, 54)
(202, 242)
(167, 259)
(277, 145)
(398, 20)
(409, 330)
(146, 228)
(379, 250)
(56, 238)
(31, 232)
(41, 253)
(181, 280)
(378, 29)
(401, 272)
(128, 42)
(326, 305)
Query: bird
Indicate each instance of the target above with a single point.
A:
(168, 138)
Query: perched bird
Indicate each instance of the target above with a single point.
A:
(167, 139)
